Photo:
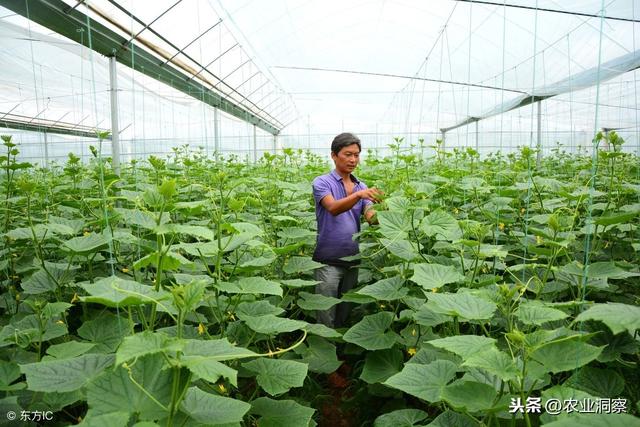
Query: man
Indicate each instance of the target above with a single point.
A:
(341, 199)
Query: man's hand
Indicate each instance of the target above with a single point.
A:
(372, 194)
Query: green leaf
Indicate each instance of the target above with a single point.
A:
(400, 248)
(559, 356)
(464, 305)
(257, 308)
(371, 332)
(40, 282)
(453, 419)
(116, 292)
(386, 289)
(470, 396)
(431, 276)
(536, 313)
(281, 413)
(319, 354)
(441, 225)
(277, 376)
(105, 420)
(218, 349)
(380, 365)
(598, 270)
(618, 317)
(209, 369)
(55, 309)
(322, 330)
(394, 225)
(144, 343)
(495, 362)
(299, 283)
(424, 381)
(205, 249)
(464, 345)
(427, 317)
(86, 244)
(106, 331)
(597, 420)
(270, 324)
(299, 264)
(9, 372)
(66, 374)
(401, 418)
(307, 301)
(597, 382)
(114, 391)
(202, 233)
(616, 218)
(251, 285)
(170, 261)
(213, 410)
(69, 349)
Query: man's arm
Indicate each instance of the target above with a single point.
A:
(336, 207)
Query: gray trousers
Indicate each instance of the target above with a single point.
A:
(335, 282)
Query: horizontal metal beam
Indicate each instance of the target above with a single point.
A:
(13, 121)
(59, 17)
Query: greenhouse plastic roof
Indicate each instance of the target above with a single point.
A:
(384, 65)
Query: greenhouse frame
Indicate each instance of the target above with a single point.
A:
(299, 213)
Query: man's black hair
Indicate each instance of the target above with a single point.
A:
(344, 140)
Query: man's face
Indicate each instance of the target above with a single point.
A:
(347, 158)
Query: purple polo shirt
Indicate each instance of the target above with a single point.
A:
(335, 233)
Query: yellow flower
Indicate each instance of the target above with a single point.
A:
(539, 240)
(411, 351)
(125, 270)
(434, 290)
(413, 332)
(60, 322)
(455, 211)
(74, 298)
(201, 329)
(86, 233)
(222, 388)
(501, 226)
(231, 316)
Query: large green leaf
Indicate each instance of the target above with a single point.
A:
(495, 362)
(106, 331)
(400, 418)
(86, 244)
(450, 418)
(105, 420)
(401, 248)
(386, 289)
(114, 390)
(380, 365)
(597, 420)
(42, 281)
(209, 369)
(69, 349)
(424, 381)
(299, 283)
(565, 355)
(428, 317)
(66, 374)
(213, 410)
(394, 225)
(597, 382)
(257, 308)
(116, 292)
(372, 332)
(277, 376)
(319, 354)
(270, 324)
(308, 301)
(441, 225)
(469, 395)
(618, 317)
(616, 218)
(537, 313)
(218, 349)
(145, 343)
(431, 276)
(251, 285)
(198, 231)
(464, 345)
(281, 413)
(464, 305)
(298, 264)
(598, 270)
